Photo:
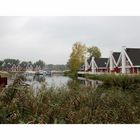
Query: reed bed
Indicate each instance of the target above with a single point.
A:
(112, 80)
(75, 104)
(4, 74)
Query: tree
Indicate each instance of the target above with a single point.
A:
(77, 56)
(24, 64)
(94, 51)
(1, 62)
(10, 62)
(40, 63)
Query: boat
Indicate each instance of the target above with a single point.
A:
(41, 72)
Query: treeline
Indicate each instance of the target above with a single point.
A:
(9, 63)
(57, 67)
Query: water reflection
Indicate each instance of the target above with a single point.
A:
(62, 81)
(57, 81)
(39, 78)
(89, 82)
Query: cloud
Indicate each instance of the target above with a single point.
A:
(51, 38)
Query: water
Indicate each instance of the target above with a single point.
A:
(60, 81)
(57, 81)
(49, 81)
(89, 82)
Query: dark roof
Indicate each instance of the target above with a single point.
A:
(101, 62)
(116, 56)
(89, 60)
(81, 67)
(134, 55)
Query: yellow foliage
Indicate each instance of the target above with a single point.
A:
(77, 56)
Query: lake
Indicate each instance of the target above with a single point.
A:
(62, 81)
(58, 81)
(50, 81)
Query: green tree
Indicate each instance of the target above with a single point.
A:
(10, 62)
(23, 64)
(94, 51)
(77, 56)
(40, 63)
(1, 62)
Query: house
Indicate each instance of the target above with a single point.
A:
(82, 68)
(18, 68)
(95, 65)
(37, 68)
(29, 67)
(101, 65)
(129, 61)
(14, 68)
(113, 62)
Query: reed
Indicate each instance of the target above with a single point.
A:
(113, 80)
(75, 104)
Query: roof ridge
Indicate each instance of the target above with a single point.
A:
(116, 52)
(101, 57)
(132, 48)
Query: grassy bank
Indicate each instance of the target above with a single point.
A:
(71, 74)
(112, 80)
(75, 104)
(4, 74)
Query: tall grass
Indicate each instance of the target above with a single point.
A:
(123, 81)
(4, 74)
(75, 104)
(71, 74)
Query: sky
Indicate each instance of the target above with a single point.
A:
(51, 38)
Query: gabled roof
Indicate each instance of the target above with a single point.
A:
(101, 62)
(116, 56)
(89, 60)
(134, 55)
(82, 66)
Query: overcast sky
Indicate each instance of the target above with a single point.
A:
(51, 38)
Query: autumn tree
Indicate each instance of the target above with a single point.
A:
(77, 56)
(94, 51)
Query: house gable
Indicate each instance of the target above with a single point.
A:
(134, 55)
(101, 62)
(116, 56)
